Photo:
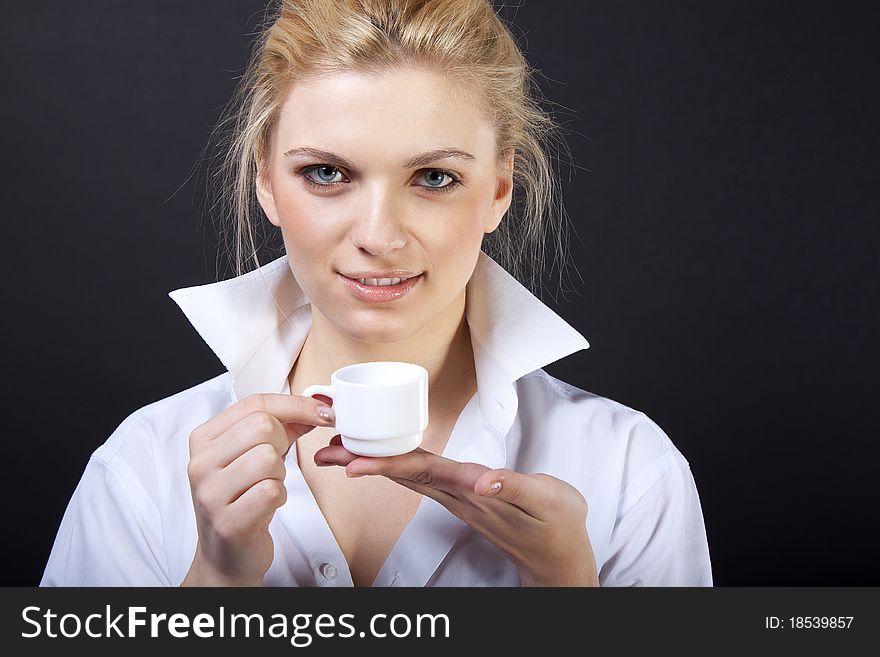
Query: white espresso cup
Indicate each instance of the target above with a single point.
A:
(381, 407)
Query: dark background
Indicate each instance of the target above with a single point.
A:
(725, 202)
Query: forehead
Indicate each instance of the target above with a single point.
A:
(409, 107)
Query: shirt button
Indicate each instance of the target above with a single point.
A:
(328, 570)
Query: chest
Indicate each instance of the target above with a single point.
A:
(367, 514)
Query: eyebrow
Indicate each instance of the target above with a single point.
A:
(417, 160)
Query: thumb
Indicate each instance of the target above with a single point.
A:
(536, 494)
(502, 483)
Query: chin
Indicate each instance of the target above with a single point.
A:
(378, 332)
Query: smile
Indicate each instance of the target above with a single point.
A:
(382, 289)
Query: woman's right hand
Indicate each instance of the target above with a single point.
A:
(236, 475)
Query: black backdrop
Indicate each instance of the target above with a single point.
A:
(725, 202)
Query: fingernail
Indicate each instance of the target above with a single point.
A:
(352, 475)
(494, 487)
(326, 413)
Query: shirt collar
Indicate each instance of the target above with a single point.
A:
(256, 324)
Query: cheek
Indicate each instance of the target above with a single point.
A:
(295, 209)
(307, 222)
(306, 245)
(458, 224)
(454, 241)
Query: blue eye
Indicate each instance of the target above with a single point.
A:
(438, 176)
(325, 177)
(441, 174)
(323, 170)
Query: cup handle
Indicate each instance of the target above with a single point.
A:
(327, 391)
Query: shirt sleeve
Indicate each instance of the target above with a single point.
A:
(104, 539)
(660, 537)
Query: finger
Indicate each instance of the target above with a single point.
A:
(536, 494)
(334, 454)
(451, 502)
(260, 462)
(258, 503)
(288, 409)
(422, 467)
(245, 434)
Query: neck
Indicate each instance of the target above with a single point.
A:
(443, 348)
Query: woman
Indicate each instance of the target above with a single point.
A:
(385, 140)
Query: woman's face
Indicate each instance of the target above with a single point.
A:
(344, 189)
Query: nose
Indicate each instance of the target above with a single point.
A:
(378, 226)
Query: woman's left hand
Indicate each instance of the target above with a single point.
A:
(537, 520)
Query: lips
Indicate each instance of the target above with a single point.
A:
(394, 273)
(381, 281)
(380, 293)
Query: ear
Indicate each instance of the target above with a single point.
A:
(264, 191)
(503, 192)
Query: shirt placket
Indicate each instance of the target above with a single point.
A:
(304, 523)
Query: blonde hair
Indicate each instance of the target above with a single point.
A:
(465, 39)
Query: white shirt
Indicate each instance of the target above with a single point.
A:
(130, 521)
